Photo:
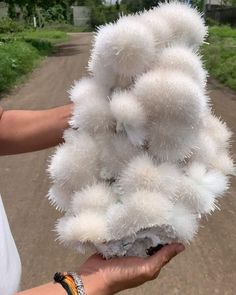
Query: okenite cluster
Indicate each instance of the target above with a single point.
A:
(145, 157)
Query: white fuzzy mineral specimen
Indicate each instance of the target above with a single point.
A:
(145, 157)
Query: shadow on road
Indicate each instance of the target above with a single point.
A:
(67, 50)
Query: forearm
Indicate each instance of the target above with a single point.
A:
(27, 131)
(48, 289)
(92, 286)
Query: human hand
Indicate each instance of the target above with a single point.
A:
(106, 277)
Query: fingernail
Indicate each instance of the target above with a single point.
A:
(180, 248)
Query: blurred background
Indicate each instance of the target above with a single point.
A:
(44, 47)
(30, 28)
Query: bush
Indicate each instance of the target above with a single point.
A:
(44, 47)
(101, 14)
(220, 54)
(7, 25)
(20, 52)
(43, 40)
(55, 13)
(16, 59)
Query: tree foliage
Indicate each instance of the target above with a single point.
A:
(101, 14)
(29, 6)
(139, 5)
(60, 11)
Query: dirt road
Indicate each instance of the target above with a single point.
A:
(208, 266)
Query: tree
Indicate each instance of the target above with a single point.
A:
(139, 5)
(29, 7)
(133, 6)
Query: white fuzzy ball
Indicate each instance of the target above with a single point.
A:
(97, 197)
(186, 24)
(92, 115)
(184, 223)
(223, 162)
(170, 144)
(101, 73)
(127, 109)
(75, 165)
(139, 210)
(104, 75)
(175, 105)
(71, 135)
(200, 187)
(127, 52)
(171, 96)
(213, 151)
(114, 153)
(183, 59)
(137, 135)
(86, 227)
(85, 88)
(130, 116)
(60, 197)
(142, 174)
(210, 179)
(159, 26)
(206, 147)
(218, 130)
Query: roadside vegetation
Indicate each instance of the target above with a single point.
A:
(22, 48)
(220, 54)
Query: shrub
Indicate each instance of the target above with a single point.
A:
(16, 59)
(20, 51)
(220, 54)
(7, 25)
(44, 47)
(55, 13)
(101, 14)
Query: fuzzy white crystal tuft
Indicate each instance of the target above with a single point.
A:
(145, 157)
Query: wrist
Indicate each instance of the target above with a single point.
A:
(64, 113)
(94, 284)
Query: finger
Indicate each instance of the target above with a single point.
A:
(163, 256)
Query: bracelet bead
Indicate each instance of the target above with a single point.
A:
(78, 282)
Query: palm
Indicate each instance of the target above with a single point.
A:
(128, 272)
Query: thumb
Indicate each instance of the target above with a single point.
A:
(163, 256)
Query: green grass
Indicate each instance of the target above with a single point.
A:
(21, 52)
(52, 36)
(220, 54)
(16, 59)
(68, 28)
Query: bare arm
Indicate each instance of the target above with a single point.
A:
(27, 131)
(48, 289)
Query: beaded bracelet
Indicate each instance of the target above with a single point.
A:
(78, 283)
(71, 282)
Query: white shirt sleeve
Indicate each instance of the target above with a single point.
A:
(10, 264)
